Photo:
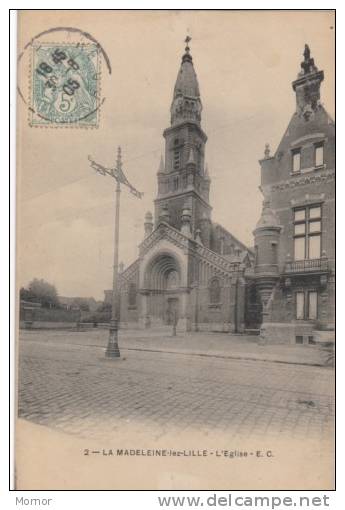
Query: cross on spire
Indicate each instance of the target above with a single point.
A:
(187, 39)
(187, 57)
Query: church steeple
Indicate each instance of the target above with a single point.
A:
(183, 178)
(186, 104)
(307, 86)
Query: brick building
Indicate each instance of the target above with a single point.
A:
(194, 270)
(294, 239)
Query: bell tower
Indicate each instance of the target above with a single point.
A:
(182, 178)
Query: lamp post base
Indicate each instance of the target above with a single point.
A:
(113, 350)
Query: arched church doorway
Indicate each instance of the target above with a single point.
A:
(172, 312)
(163, 287)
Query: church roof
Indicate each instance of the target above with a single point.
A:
(167, 231)
(187, 82)
(237, 242)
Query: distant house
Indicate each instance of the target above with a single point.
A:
(27, 310)
(76, 303)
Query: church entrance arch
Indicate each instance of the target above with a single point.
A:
(163, 287)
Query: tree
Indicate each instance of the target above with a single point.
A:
(25, 295)
(81, 303)
(43, 292)
(104, 307)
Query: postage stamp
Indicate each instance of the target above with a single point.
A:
(65, 84)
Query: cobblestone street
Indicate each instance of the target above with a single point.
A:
(74, 389)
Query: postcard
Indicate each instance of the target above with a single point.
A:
(175, 250)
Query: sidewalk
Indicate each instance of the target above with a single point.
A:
(219, 345)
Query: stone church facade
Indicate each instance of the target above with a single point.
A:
(193, 271)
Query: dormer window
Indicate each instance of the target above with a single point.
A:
(319, 159)
(296, 160)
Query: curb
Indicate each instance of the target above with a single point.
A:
(225, 356)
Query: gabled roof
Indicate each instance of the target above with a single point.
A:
(164, 230)
(299, 127)
(237, 241)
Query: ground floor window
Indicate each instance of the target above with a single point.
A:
(306, 305)
(312, 305)
(300, 305)
(300, 340)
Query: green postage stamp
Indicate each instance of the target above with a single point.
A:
(65, 83)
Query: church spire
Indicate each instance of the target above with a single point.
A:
(183, 178)
(161, 166)
(186, 105)
(307, 86)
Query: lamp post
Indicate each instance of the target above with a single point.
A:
(113, 350)
(195, 286)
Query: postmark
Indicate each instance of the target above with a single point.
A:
(63, 78)
(65, 84)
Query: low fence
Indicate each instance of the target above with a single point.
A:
(95, 317)
(56, 315)
(52, 318)
(32, 316)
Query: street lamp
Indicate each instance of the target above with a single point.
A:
(113, 350)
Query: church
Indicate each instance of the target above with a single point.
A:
(192, 272)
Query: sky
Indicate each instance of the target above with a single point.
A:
(245, 63)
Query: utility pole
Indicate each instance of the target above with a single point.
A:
(195, 286)
(113, 350)
(174, 323)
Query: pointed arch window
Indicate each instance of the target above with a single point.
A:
(214, 290)
(176, 154)
(176, 159)
(132, 295)
(199, 154)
